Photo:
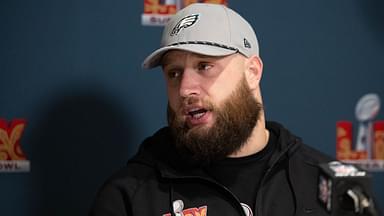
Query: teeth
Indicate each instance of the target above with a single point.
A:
(197, 113)
(194, 110)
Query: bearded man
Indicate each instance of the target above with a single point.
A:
(218, 156)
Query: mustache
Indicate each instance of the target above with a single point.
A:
(175, 116)
(192, 101)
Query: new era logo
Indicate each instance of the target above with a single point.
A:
(246, 43)
(184, 23)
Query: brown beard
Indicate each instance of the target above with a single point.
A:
(235, 121)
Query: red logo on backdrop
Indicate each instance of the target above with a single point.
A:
(368, 149)
(158, 12)
(12, 157)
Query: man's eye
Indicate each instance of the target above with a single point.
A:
(204, 66)
(174, 74)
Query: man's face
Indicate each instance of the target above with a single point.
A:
(211, 110)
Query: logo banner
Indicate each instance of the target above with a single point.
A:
(367, 150)
(12, 157)
(158, 12)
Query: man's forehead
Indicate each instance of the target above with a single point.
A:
(176, 54)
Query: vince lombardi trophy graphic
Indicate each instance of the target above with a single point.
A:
(367, 109)
(179, 3)
(178, 206)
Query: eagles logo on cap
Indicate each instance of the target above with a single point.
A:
(184, 23)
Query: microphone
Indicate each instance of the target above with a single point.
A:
(345, 189)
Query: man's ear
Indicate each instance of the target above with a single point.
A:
(254, 71)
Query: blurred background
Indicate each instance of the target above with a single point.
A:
(72, 70)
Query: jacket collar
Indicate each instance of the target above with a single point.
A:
(159, 153)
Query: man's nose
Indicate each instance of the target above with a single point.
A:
(189, 83)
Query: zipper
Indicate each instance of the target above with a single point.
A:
(260, 191)
(238, 206)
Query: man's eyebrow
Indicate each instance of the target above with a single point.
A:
(166, 59)
(206, 56)
(202, 56)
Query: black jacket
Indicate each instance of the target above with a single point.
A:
(157, 176)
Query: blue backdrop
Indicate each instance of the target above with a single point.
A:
(72, 69)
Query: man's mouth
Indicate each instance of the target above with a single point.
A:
(197, 113)
(197, 116)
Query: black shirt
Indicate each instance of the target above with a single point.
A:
(242, 176)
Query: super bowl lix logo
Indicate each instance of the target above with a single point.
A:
(178, 210)
(368, 148)
(158, 12)
(12, 158)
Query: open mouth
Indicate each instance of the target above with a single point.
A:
(197, 113)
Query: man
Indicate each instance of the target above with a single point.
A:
(218, 156)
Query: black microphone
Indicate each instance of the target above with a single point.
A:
(345, 189)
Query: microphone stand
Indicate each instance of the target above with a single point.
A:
(361, 204)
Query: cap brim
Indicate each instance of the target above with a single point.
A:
(154, 59)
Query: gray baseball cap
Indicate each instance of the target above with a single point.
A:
(207, 29)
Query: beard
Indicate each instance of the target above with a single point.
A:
(235, 120)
